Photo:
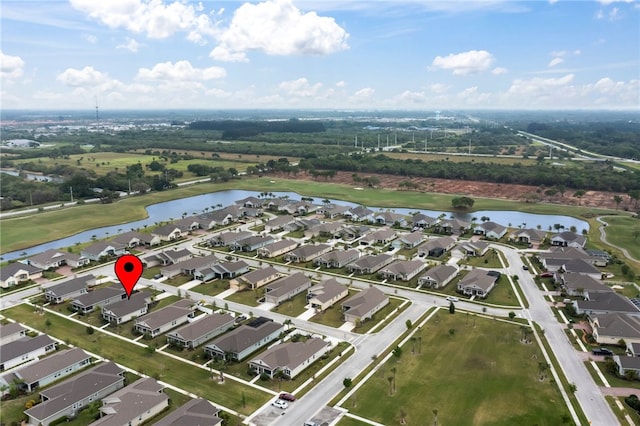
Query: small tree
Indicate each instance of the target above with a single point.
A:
(512, 315)
(397, 351)
(347, 382)
(452, 308)
(409, 324)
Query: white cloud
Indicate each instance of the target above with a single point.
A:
(472, 96)
(11, 67)
(607, 2)
(300, 88)
(363, 95)
(341, 84)
(180, 71)
(499, 71)
(277, 27)
(131, 45)
(537, 86)
(150, 17)
(88, 76)
(471, 62)
(90, 38)
(410, 97)
(555, 61)
(439, 88)
(223, 54)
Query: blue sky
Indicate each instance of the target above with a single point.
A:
(424, 55)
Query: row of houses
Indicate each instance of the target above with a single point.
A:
(18, 348)
(120, 404)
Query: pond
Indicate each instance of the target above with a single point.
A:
(174, 209)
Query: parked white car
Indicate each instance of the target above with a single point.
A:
(452, 299)
(278, 403)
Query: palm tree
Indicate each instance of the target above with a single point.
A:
(390, 379)
(435, 417)
(617, 199)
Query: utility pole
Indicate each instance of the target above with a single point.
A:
(71, 192)
(129, 186)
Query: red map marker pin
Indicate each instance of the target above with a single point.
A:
(128, 269)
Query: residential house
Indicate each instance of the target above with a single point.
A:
(51, 368)
(423, 221)
(252, 243)
(335, 211)
(189, 266)
(255, 279)
(609, 329)
(390, 219)
(11, 332)
(126, 310)
(633, 348)
(98, 298)
(326, 229)
(436, 247)
(307, 252)
(568, 239)
(369, 264)
(164, 319)
(285, 288)
(627, 365)
(190, 223)
(17, 273)
(169, 232)
(351, 232)
(491, 230)
(277, 248)
(581, 285)
(478, 282)
(200, 330)
(528, 236)
(53, 259)
(222, 217)
(244, 340)
(69, 289)
(604, 303)
(133, 404)
(289, 358)
(556, 256)
(278, 223)
(133, 239)
(359, 214)
(25, 349)
(166, 257)
(409, 241)
(403, 270)
(195, 412)
(251, 202)
(226, 239)
(438, 276)
(337, 258)
(453, 226)
(474, 248)
(71, 396)
(221, 270)
(325, 294)
(364, 304)
(381, 237)
(102, 249)
(578, 266)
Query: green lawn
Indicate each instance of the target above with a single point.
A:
(502, 293)
(332, 316)
(494, 380)
(350, 421)
(178, 280)
(246, 297)
(379, 316)
(620, 231)
(212, 288)
(175, 372)
(293, 307)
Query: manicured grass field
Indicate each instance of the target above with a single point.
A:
(175, 372)
(460, 158)
(294, 306)
(213, 288)
(246, 297)
(494, 380)
(620, 231)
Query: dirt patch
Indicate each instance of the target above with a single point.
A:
(595, 199)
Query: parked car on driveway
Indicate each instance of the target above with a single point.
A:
(278, 403)
(602, 351)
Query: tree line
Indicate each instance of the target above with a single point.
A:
(590, 176)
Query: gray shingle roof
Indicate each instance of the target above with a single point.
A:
(23, 346)
(362, 302)
(70, 286)
(258, 275)
(327, 290)
(11, 328)
(12, 268)
(202, 326)
(286, 284)
(167, 314)
(197, 412)
(51, 364)
(291, 354)
(126, 306)
(245, 336)
(440, 273)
